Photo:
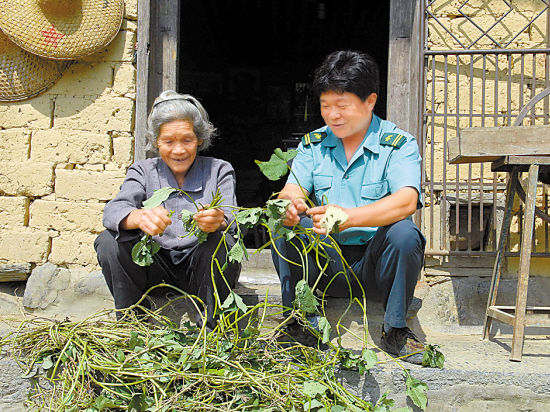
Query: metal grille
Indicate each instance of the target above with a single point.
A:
(483, 63)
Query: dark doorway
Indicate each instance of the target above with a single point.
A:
(251, 65)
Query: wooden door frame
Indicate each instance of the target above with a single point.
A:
(157, 60)
(404, 66)
(158, 56)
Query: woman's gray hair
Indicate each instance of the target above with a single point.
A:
(171, 106)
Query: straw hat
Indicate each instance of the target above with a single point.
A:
(61, 29)
(24, 75)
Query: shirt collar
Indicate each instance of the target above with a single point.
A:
(372, 139)
(193, 179)
(370, 142)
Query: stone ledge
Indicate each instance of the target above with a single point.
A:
(15, 272)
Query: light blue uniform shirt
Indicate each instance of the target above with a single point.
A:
(374, 171)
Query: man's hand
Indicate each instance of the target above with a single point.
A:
(151, 221)
(317, 214)
(296, 207)
(209, 220)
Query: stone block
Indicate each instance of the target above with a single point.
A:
(44, 284)
(70, 146)
(13, 211)
(35, 113)
(124, 82)
(87, 185)
(28, 178)
(103, 114)
(93, 284)
(14, 144)
(66, 216)
(73, 248)
(123, 150)
(84, 79)
(130, 9)
(24, 245)
(13, 273)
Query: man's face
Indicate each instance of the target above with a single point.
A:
(345, 113)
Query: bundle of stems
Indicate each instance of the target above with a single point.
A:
(150, 363)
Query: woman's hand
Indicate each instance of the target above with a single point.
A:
(317, 214)
(210, 220)
(151, 221)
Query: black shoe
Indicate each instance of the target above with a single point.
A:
(403, 343)
(307, 336)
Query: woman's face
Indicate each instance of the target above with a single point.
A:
(178, 144)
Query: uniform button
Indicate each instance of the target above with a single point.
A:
(180, 194)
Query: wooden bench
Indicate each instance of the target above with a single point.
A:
(513, 150)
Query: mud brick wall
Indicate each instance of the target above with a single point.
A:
(458, 86)
(64, 154)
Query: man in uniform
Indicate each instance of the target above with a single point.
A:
(370, 169)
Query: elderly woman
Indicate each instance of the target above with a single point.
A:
(179, 128)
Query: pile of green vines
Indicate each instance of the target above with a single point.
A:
(153, 364)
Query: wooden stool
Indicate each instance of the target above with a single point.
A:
(516, 315)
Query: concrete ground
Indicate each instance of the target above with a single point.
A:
(478, 375)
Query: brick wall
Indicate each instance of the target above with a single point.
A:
(65, 153)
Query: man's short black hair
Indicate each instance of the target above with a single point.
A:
(347, 71)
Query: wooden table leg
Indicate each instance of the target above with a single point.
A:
(503, 238)
(524, 264)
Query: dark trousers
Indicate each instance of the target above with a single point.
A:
(387, 268)
(128, 281)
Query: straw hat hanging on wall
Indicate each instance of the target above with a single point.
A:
(61, 29)
(24, 75)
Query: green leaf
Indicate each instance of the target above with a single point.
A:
(276, 208)
(233, 302)
(159, 196)
(324, 326)
(186, 215)
(433, 358)
(312, 389)
(237, 253)
(47, 363)
(101, 403)
(369, 357)
(240, 304)
(416, 391)
(228, 302)
(384, 403)
(139, 403)
(143, 251)
(333, 218)
(348, 359)
(286, 156)
(135, 341)
(337, 408)
(201, 236)
(305, 299)
(277, 166)
(120, 356)
(249, 217)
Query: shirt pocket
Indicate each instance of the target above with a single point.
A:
(321, 185)
(371, 192)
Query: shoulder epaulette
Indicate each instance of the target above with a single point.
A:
(393, 139)
(313, 137)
